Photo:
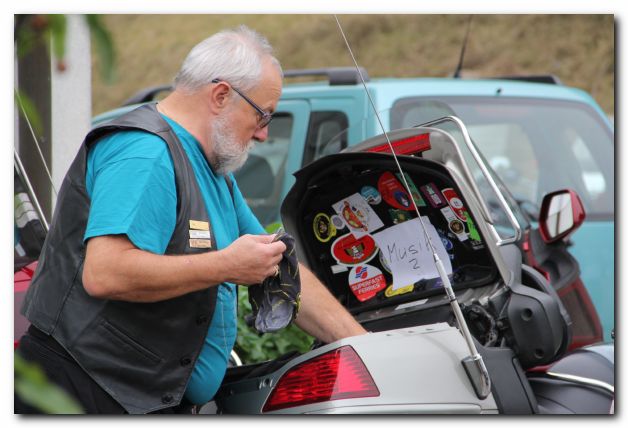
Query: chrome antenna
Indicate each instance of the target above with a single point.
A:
(41, 155)
(473, 364)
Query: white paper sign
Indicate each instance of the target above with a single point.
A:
(358, 215)
(405, 248)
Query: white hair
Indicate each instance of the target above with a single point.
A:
(235, 56)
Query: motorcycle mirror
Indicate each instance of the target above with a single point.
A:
(561, 214)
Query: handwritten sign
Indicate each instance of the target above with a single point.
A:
(407, 252)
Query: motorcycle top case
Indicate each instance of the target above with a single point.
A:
(355, 224)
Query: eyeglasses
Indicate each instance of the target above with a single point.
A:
(265, 117)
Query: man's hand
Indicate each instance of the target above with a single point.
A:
(116, 269)
(252, 258)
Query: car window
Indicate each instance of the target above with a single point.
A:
(261, 178)
(536, 146)
(325, 134)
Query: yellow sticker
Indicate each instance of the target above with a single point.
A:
(199, 225)
(200, 243)
(403, 290)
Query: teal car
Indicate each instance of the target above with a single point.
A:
(538, 135)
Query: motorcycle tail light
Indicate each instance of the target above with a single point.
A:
(415, 144)
(335, 375)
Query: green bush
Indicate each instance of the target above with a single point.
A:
(253, 347)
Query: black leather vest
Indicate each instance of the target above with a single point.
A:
(140, 353)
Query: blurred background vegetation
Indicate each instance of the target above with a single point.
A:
(579, 49)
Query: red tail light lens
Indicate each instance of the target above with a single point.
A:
(415, 144)
(336, 375)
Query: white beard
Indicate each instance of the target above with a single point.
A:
(228, 155)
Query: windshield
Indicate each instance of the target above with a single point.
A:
(535, 146)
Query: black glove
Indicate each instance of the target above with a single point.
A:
(275, 302)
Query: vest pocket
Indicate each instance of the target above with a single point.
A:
(128, 342)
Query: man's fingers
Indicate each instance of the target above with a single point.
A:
(278, 247)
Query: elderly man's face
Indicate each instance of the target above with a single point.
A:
(235, 132)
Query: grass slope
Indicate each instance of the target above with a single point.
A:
(579, 49)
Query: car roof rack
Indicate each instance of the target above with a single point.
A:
(534, 78)
(146, 95)
(335, 75)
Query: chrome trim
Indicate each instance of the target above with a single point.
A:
(583, 380)
(29, 189)
(236, 358)
(474, 152)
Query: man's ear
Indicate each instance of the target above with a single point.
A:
(218, 95)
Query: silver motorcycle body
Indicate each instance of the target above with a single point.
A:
(412, 361)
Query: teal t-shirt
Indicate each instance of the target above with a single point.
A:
(130, 180)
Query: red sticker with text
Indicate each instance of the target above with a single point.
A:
(366, 281)
(348, 250)
(393, 192)
(455, 203)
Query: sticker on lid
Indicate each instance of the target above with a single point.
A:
(337, 222)
(349, 250)
(358, 215)
(433, 195)
(455, 203)
(390, 292)
(338, 268)
(413, 190)
(393, 192)
(371, 195)
(455, 225)
(324, 230)
(398, 216)
(366, 281)
(446, 241)
(473, 232)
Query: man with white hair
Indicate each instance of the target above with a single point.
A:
(133, 305)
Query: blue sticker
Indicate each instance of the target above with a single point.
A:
(446, 242)
(371, 195)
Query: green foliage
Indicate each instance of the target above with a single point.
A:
(253, 347)
(51, 30)
(57, 34)
(103, 47)
(28, 110)
(33, 387)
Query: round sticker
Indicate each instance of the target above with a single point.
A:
(403, 290)
(347, 250)
(371, 195)
(337, 222)
(324, 230)
(456, 227)
(366, 281)
(456, 203)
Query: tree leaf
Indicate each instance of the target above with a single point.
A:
(58, 30)
(103, 46)
(28, 111)
(34, 388)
